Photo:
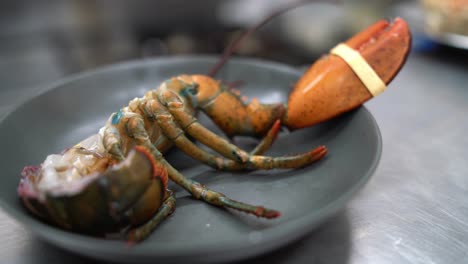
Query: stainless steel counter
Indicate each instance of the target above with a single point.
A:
(414, 209)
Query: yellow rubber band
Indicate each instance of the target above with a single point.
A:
(363, 70)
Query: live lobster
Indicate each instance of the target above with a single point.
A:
(117, 179)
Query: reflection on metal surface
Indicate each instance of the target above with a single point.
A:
(450, 39)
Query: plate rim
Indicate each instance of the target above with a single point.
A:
(290, 231)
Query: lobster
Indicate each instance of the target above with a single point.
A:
(117, 179)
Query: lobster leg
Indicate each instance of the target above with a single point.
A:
(174, 133)
(268, 140)
(111, 141)
(135, 126)
(185, 119)
(201, 192)
(195, 129)
(140, 233)
(257, 162)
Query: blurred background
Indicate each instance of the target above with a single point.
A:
(42, 41)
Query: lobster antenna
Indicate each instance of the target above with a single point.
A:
(234, 45)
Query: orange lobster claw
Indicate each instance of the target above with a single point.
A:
(330, 87)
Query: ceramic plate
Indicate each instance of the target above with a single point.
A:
(77, 106)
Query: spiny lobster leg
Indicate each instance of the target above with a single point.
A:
(187, 120)
(140, 233)
(135, 127)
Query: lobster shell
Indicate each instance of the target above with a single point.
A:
(101, 203)
(330, 87)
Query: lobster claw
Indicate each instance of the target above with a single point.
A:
(330, 87)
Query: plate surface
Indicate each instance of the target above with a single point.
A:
(76, 107)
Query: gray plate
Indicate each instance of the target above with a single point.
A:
(78, 106)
